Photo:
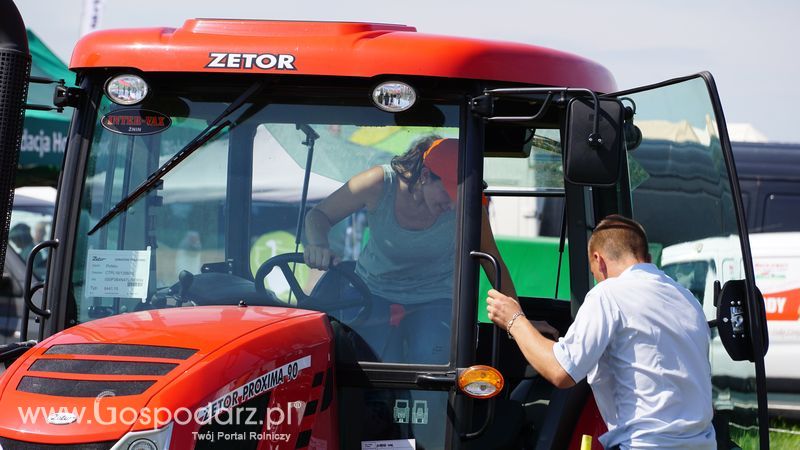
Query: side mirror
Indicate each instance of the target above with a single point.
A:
(594, 147)
(732, 320)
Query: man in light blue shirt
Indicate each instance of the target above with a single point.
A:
(641, 341)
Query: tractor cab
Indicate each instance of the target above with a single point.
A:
(176, 277)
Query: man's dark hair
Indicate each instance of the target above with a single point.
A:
(618, 236)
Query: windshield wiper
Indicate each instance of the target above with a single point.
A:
(213, 128)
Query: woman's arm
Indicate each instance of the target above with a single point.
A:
(488, 245)
(363, 190)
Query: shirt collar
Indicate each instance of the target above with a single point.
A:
(645, 267)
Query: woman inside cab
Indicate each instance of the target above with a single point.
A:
(408, 262)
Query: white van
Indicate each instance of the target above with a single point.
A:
(776, 261)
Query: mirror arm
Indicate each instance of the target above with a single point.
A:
(538, 115)
(484, 105)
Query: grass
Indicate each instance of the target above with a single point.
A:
(783, 435)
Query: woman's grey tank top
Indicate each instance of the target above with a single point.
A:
(402, 265)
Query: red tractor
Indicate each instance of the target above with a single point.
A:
(193, 157)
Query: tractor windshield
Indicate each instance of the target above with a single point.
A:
(200, 235)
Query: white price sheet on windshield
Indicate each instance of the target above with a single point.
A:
(117, 273)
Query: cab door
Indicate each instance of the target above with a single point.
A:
(683, 188)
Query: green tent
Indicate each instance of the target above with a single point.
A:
(44, 137)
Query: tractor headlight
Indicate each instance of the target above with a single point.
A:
(146, 440)
(142, 444)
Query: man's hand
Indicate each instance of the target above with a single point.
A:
(501, 308)
(537, 349)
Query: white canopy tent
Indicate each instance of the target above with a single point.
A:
(277, 177)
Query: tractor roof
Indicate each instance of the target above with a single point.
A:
(334, 49)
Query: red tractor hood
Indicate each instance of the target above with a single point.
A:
(90, 383)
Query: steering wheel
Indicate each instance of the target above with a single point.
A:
(325, 295)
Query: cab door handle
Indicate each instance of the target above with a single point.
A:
(490, 408)
(436, 380)
(497, 278)
(29, 290)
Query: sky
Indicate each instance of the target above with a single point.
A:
(750, 47)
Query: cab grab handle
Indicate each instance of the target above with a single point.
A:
(29, 290)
